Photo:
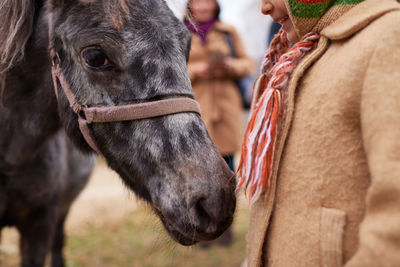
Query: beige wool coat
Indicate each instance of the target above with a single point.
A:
(219, 97)
(335, 190)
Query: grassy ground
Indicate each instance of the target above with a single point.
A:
(138, 240)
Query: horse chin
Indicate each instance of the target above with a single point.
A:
(182, 239)
(188, 238)
(175, 234)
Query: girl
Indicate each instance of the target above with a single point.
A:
(321, 157)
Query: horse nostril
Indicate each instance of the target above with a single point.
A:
(205, 215)
(201, 210)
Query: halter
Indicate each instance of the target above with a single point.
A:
(103, 114)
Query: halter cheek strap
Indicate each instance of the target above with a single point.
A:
(88, 115)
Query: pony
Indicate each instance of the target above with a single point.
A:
(102, 54)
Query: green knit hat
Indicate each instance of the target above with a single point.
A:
(314, 15)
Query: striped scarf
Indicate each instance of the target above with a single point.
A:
(270, 90)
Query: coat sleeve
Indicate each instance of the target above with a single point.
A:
(242, 64)
(379, 236)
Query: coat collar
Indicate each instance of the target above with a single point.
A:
(359, 17)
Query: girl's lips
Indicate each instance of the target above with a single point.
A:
(283, 20)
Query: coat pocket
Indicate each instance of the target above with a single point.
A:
(331, 237)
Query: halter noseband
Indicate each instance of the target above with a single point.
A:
(88, 115)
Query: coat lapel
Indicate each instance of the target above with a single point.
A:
(261, 210)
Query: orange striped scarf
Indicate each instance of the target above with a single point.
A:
(266, 112)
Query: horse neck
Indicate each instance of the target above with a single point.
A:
(29, 115)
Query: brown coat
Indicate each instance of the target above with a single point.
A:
(335, 191)
(219, 98)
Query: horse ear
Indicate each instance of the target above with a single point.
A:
(17, 19)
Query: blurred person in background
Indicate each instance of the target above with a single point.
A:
(254, 29)
(217, 60)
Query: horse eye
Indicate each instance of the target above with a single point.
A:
(95, 58)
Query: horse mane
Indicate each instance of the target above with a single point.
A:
(15, 29)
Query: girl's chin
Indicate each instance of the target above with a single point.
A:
(292, 36)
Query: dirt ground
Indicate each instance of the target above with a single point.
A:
(105, 198)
